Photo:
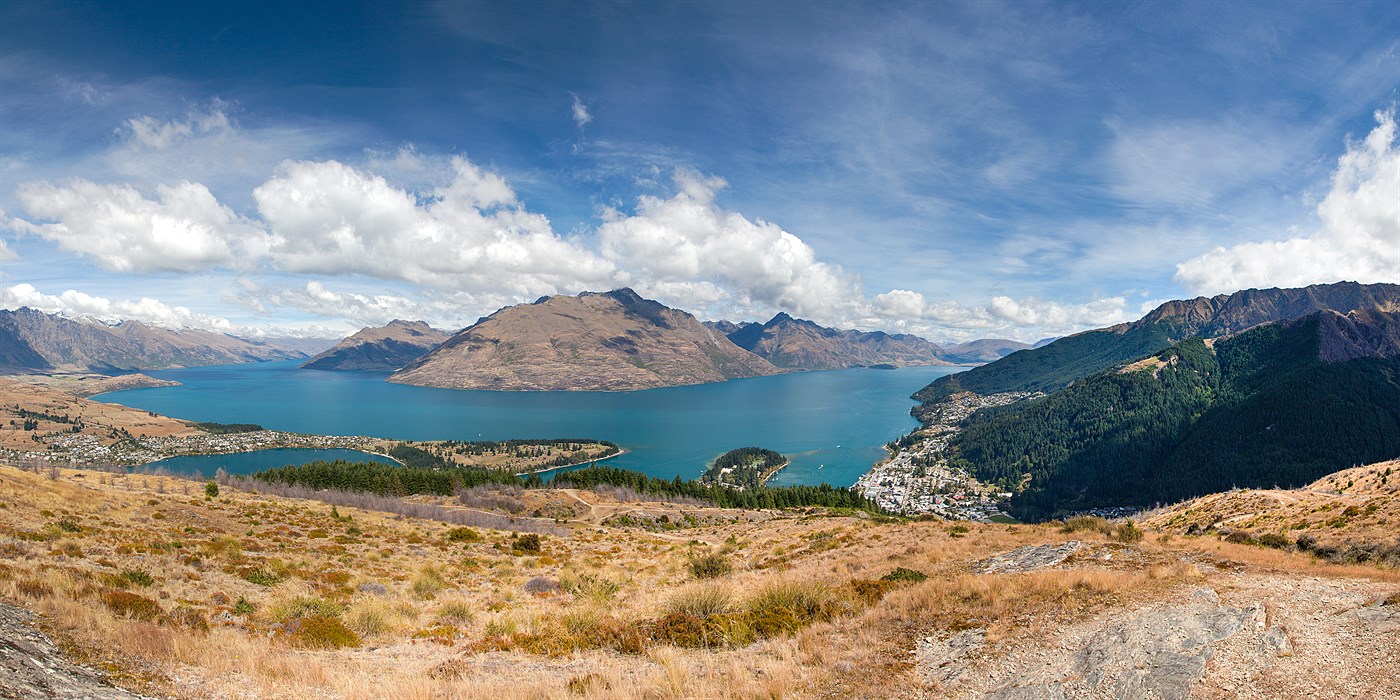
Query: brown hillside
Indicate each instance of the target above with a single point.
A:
(613, 341)
(1353, 514)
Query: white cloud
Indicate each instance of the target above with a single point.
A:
(441, 310)
(1194, 163)
(76, 304)
(1359, 239)
(468, 235)
(149, 132)
(1002, 316)
(182, 228)
(580, 110)
(688, 238)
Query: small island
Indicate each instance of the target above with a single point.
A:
(744, 468)
(515, 456)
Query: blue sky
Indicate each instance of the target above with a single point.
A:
(955, 170)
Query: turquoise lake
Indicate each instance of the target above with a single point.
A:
(831, 424)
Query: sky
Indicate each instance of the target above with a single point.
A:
(954, 170)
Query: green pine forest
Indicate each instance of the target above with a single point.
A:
(441, 480)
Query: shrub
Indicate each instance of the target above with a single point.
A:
(599, 589)
(786, 606)
(1126, 532)
(428, 583)
(456, 613)
(211, 490)
(711, 565)
(323, 633)
(262, 576)
(1275, 540)
(463, 534)
(701, 601)
(303, 607)
(130, 605)
(527, 544)
(369, 616)
(901, 574)
(136, 577)
(243, 607)
(1085, 523)
(67, 524)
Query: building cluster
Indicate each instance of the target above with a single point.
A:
(81, 450)
(917, 478)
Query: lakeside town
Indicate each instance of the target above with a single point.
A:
(917, 478)
(86, 450)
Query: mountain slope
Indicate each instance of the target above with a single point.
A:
(31, 341)
(798, 344)
(984, 350)
(385, 348)
(1261, 408)
(613, 341)
(1052, 366)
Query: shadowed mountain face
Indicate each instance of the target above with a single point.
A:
(386, 348)
(1055, 365)
(1281, 404)
(797, 344)
(33, 341)
(612, 341)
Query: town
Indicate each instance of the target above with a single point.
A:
(917, 478)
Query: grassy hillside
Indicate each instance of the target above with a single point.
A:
(1257, 410)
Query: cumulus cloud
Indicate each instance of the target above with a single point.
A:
(76, 304)
(180, 228)
(469, 235)
(580, 111)
(689, 239)
(1359, 239)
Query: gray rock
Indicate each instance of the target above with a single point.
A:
(1030, 558)
(374, 589)
(1158, 653)
(31, 667)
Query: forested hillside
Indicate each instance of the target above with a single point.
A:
(1260, 409)
(1055, 365)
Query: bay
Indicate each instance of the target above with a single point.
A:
(832, 424)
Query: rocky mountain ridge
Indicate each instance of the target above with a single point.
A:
(383, 348)
(795, 343)
(34, 341)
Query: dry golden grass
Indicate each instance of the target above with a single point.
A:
(1350, 516)
(97, 419)
(246, 586)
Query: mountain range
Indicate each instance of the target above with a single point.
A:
(1058, 363)
(793, 343)
(610, 341)
(33, 341)
(383, 348)
(1255, 389)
